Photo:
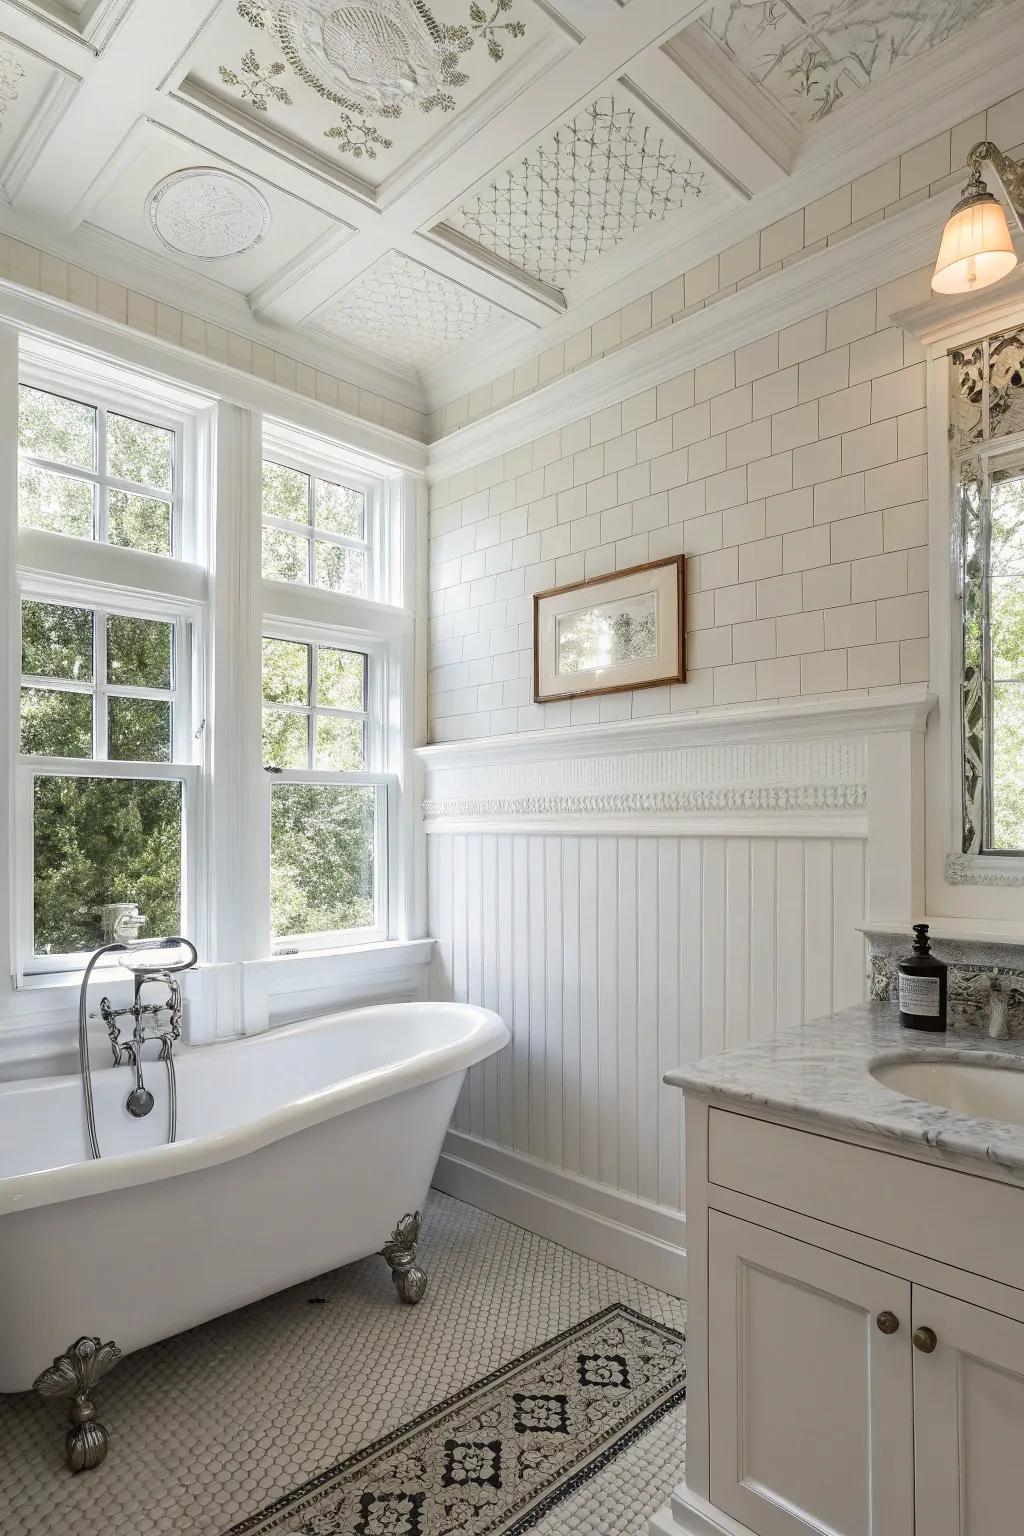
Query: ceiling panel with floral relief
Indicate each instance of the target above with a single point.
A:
(810, 56)
(363, 83)
(606, 172)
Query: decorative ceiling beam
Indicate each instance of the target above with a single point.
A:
(117, 92)
(622, 36)
(751, 159)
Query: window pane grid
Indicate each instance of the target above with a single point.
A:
(144, 716)
(93, 477)
(320, 748)
(131, 512)
(328, 810)
(298, 509)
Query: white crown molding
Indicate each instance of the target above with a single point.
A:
(160, 279)
(872, 257)
(57, 320)
(919, 102)
(950, 320)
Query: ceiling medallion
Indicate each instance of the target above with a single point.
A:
(381, 53)
(208, 213)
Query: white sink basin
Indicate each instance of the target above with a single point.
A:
(991, 1093)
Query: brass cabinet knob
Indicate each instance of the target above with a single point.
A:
(887, 1322)
(925, 1340)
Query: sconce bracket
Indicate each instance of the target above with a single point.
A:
(1010, 174)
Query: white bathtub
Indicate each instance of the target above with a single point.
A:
(297, 1151)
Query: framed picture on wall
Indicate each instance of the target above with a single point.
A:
(623, 630)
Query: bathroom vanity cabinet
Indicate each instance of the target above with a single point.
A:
(856, 1333)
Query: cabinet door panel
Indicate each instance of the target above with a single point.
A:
(810, 1403)
(968, 1419)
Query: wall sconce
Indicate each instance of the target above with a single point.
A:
(976, 247)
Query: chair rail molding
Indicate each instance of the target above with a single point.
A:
(843, 769)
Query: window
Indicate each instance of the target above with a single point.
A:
(988, 441)
(315, 531)
(328, 800)
(108, 783)
(104, 732)
(150, 585)
(98, 473)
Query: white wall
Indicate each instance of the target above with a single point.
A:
(792, 473)
(613, 959)
(632, 897)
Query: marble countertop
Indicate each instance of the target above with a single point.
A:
(820, 1071)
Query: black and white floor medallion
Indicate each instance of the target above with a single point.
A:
(492, 1460)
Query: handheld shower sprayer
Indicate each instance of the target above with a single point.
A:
(140, 1100)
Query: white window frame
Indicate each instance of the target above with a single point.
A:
(226, 426)
(134, 583)
(308, 457)
(375, 775)
(108, 394)
(975, 874)
(185, 766)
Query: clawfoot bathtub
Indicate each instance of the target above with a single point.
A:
(298, 1151)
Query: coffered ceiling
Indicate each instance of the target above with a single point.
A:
(401, 189)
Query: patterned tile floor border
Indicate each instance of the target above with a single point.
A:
(501, 1453)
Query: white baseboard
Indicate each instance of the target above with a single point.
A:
(632, 1235)
(690, 1515)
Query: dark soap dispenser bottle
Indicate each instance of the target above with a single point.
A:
(922, 986)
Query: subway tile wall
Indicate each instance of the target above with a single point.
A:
(35, 269)
(793, 475)
(900, 183)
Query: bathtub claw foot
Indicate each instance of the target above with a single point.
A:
(400, 1253)
(74, 1374)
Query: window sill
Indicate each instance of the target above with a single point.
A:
(355, 959)
(352, 959)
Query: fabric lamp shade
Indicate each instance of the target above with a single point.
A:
(976, 247)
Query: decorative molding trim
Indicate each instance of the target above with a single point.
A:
(875, 256)
(690, 1515)
(947, 320)
(993, 870)
(738, 797)
(904, 710)
(714, 71)
(932, 94)
(42, 315)
(34, 136)
(643, 1240)
(800, 772)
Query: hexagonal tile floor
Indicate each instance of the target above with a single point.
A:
(211, 1426)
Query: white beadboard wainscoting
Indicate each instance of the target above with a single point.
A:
(630, 897)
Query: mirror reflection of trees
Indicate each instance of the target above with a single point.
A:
(1006, 613)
